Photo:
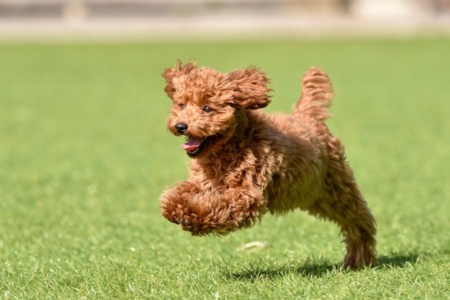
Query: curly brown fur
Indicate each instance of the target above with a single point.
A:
(246, 162)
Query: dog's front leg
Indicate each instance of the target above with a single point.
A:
(222, 211)
(175, 201)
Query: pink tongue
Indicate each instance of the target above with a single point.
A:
(192, 144)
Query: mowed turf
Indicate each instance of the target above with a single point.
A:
(84, 156)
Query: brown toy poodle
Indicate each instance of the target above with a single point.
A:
(246, 162)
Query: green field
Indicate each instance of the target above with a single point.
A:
(84, 156)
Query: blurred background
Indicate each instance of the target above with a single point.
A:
(220, 18)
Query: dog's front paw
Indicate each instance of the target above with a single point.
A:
(208, 213)
(172, 208)
(180, 214)
(172, 212)
(175, 202)
(194, 226)
(194, 213)
(179, 210)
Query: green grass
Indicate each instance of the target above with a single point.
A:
(84, 156)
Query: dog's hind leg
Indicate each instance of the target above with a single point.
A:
(343, 204)
(341, 201)
(357, 225)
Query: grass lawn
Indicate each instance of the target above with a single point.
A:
(84, 156)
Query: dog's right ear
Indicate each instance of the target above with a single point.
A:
(171, 74)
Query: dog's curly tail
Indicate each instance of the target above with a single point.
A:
(317, 96)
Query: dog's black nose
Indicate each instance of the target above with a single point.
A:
(181, 127)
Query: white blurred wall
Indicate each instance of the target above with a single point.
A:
(83, 9)
(218, 18)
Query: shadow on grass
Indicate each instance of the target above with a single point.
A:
(398, 260)
(321, 269)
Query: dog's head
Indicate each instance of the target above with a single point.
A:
(206, 102)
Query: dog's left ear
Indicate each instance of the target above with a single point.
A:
(249, 88)
(170, 74)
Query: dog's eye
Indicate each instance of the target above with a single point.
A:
(181, 105)
(207, 109)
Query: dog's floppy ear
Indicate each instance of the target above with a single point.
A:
(249, 88)
(170, 74)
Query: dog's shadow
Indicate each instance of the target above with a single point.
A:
(321, 269)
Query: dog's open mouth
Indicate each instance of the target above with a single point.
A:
(194, 145)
